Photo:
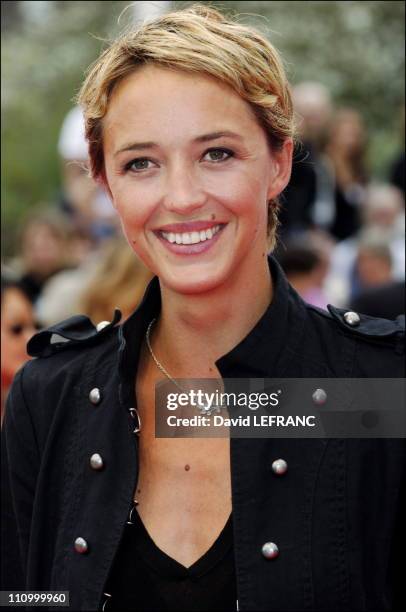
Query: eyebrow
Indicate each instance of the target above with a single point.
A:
(136, 146)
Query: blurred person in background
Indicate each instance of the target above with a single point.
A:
(397, 172)
(314, 109)
(373, 264)
(43, 250)
(308, 199)
(306, 268)
(329, 173)
(386, 300)
(60, 295)
(377, 293)
(345, 151)
(17, 327)
(109, 278)
(119, 282)
(397, 168)
(82, 199)
(91, 216)
(382, 211)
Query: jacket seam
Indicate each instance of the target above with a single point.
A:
(309, 594)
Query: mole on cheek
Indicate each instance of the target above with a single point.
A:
(187, 467)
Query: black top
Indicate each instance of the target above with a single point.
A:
(143, 577)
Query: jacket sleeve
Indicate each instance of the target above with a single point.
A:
(19, 465)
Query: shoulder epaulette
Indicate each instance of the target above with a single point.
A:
(77, 330)
(365, 326)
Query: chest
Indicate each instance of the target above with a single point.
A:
(183, 487)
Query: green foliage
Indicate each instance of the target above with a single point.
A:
(354, 47)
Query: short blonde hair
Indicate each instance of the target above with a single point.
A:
(196, 39)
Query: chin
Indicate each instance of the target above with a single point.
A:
(193, 283)
(202, 273)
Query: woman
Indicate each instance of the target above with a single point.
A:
(189, 123)
(44, 248)
(17, 327)
(345, 151)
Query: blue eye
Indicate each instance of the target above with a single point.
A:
(219, 155)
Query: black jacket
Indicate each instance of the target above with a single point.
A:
(335, 515)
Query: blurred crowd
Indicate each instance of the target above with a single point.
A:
(341, 238)
(342, 230)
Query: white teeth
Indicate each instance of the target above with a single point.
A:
(191, 237)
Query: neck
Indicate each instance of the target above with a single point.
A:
(195, 330)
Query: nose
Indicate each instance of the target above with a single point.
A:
(184, 193)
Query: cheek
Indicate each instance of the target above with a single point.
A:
(247, 198)
(251, 209)
(134, 207)
(13, 351)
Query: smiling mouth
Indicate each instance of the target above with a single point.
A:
(191, 237)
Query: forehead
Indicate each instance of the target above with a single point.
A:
(161, 103)
(14, 302)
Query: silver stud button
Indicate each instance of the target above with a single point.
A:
(319, 397)
(279, 467)
(96, 462)
(102, 325)
(270, 550)
(352, 318)
(81, 546)
(95, 396)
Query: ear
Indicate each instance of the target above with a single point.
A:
(281, 169)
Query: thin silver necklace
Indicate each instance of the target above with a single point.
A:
(204, 409)
(155, 358)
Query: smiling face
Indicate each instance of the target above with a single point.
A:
(190, 173)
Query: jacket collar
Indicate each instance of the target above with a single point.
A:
(260, 354)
